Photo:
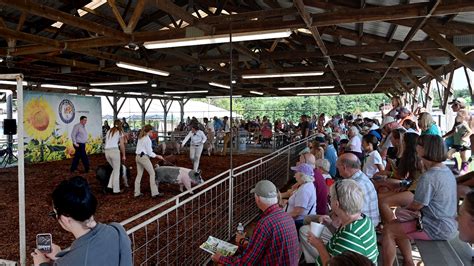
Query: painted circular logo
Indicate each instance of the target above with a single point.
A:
(66, 111)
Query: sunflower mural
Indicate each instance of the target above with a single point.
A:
(49, 119)
(40, 120)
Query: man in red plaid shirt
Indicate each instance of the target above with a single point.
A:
(274, 240)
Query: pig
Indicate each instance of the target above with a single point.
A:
(171, 147)
(177, 175)
(103, 173)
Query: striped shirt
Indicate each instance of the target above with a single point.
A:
(358, 236)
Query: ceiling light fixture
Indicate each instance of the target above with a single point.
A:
(7, 82)
(256, 92)
(55, 86)
(142, 69)
(220, 85)
(117, 83)
(305, 88)
(220, 38)
(185, 92)
(318, 94)
(100, 90)
(223, 97)
(282, 75)
(154, 85)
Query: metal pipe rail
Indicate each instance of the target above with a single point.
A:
(171, 232)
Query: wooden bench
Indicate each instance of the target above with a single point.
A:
(441, 253)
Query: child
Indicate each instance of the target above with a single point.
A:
(461, 142)
(372, 160)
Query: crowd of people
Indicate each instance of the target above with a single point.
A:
(358, 177)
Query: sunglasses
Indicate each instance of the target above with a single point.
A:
(53, 214)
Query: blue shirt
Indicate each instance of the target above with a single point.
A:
(432, 130)
(371, 202)
(331, 156)
(79, 134)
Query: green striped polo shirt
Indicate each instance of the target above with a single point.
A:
(358, 236)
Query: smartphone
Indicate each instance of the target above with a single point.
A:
(44, 242)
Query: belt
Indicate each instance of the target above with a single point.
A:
(142, 154)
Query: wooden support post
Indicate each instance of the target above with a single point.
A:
(182, 102)
(144, 108)
(447, 92)
(166, 109)
(469, 84)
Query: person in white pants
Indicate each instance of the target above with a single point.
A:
(114, 146)
(144, 152)
(198, 138)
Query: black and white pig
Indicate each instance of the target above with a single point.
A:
(178, 175)
(103, 172)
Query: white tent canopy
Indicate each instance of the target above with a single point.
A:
(191, 108)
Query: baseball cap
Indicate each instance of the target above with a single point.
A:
(265, 188)
(387, 120)
(305, 150)
(460, 101)
(304, 168)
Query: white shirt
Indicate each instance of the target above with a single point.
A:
(370, 162)
(210, 127)
(197, 138)
(112, 141)
(144, 145)
(304, 197)
(374, 127)
(226, 126)
(355, 144)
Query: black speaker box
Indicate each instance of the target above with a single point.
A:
(9, 126)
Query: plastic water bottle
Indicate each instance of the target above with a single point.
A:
(240, 229)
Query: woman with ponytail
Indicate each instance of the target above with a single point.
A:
(144, 152)
(114, 146)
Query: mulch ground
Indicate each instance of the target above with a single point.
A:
(40, 180)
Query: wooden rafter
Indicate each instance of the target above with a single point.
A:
(314, 30)
(409, 36)
(450, 47)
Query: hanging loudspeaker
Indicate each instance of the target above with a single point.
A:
(9, 126)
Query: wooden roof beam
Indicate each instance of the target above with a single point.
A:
(317, 37)
(137, 13)
(426, 67)
(450, 47)
(174, 10)
(385, 13)
(117, 14)
(71, 20)
(409, 36)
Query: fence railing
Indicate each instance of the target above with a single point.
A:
(171, 232)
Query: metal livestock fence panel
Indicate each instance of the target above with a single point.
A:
(171, 232)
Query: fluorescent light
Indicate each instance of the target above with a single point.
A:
(282, 75)
(114, 83)
(215, 84)
(318, 94)
(100, 90)
(185, 92)
(55, 86)
(1, 59)
(223, 97)
(134, 93)
(221, 38)
(7, 82)
(142, 69)
(305, 88)
(256, 92)
(154, 85)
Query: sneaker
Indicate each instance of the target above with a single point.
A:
(138, 195)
